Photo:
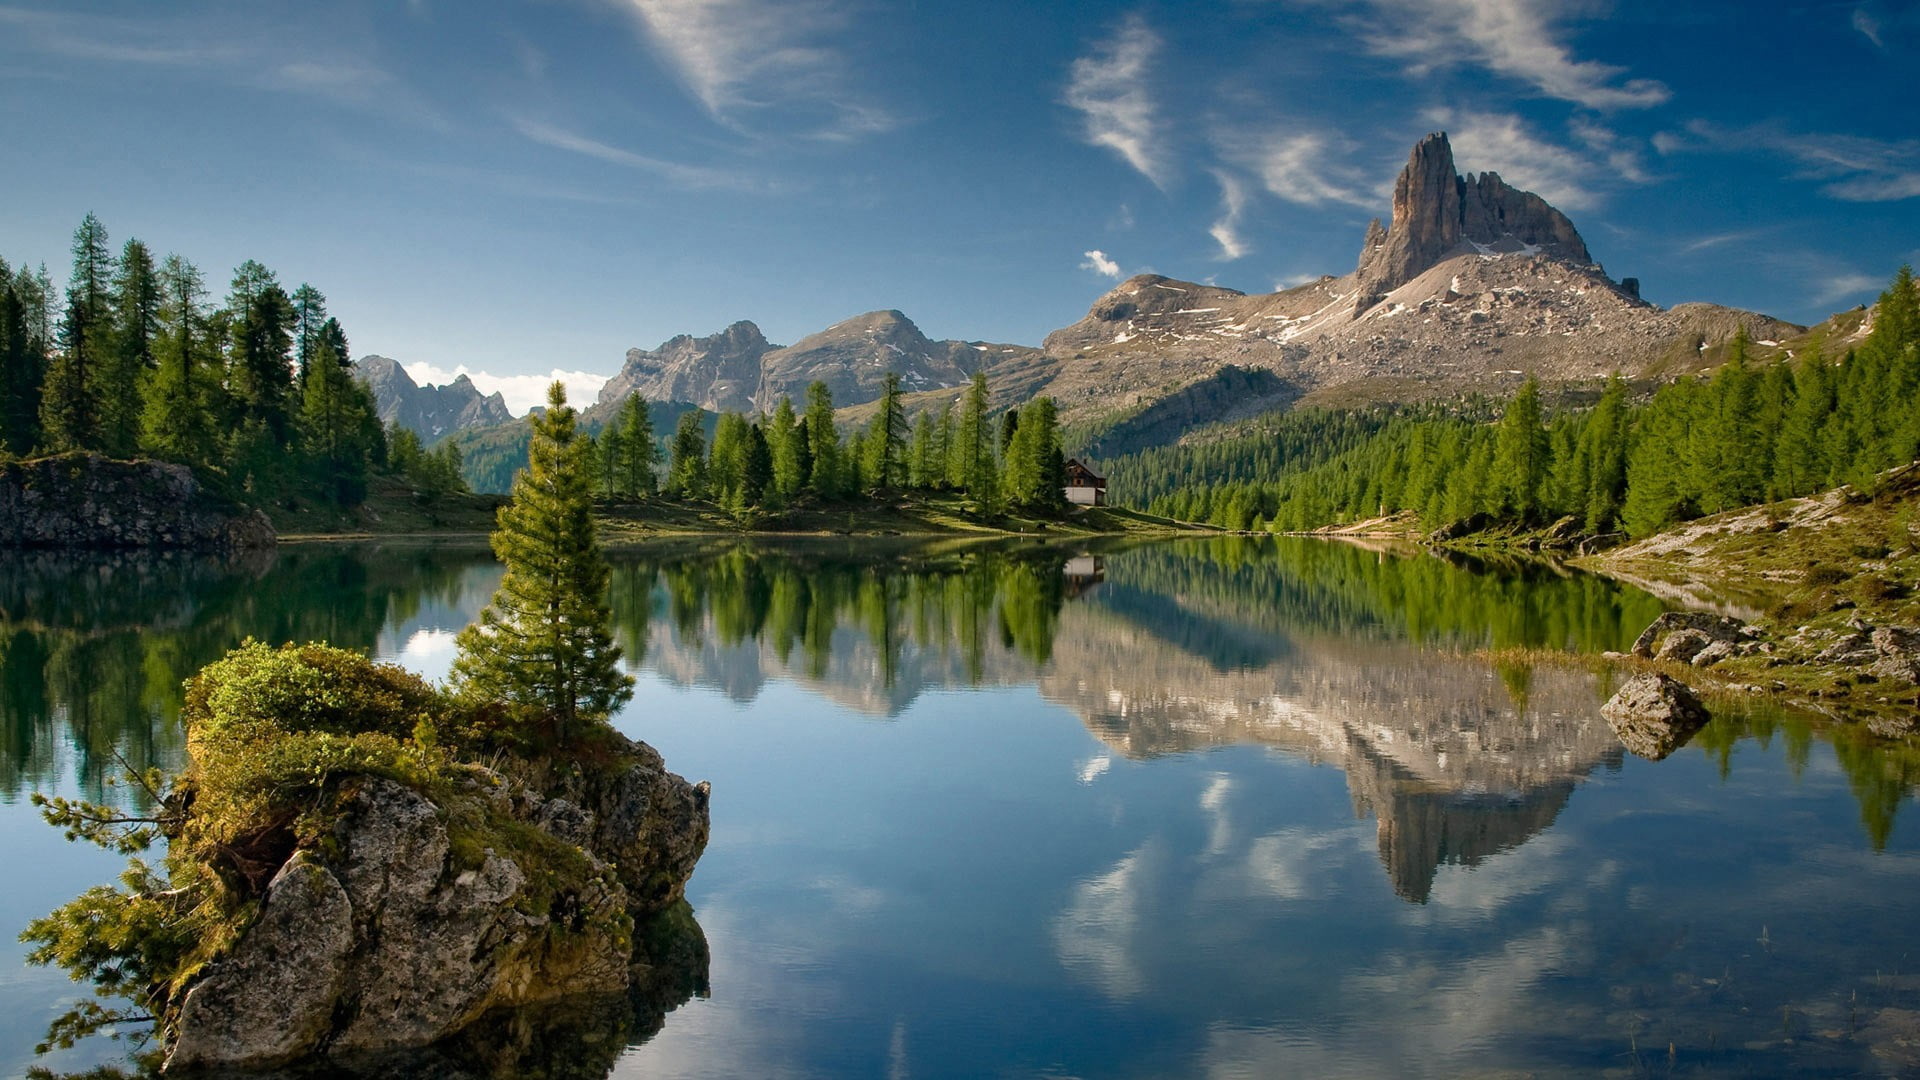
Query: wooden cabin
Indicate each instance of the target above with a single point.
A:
(1084, 486)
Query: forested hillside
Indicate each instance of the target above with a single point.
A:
(1750, 432)
(134, 359)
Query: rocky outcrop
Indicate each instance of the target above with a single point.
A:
(428, 411)
(1681, 636)
(410, 921)
(718, 372)
(1653, 715)
(1438, 213)
(81, 501)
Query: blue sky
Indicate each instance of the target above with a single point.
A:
(536, 186)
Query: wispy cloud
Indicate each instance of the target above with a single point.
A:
(1855, 168)
(748, 61)
(680, 175)
(1109, 88)
(1503, 143)
(1719, 240)
(1306, 168)
(270, 61)
(1837, 287)
(1514, 38)
(1868, 26)
(1098, 262)
(1233, 206)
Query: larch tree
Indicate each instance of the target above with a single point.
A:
(639, 453)
(129, 360)
(827, 478)
(1521, 454)
(687, 470)
(70, 398)
(545, 641)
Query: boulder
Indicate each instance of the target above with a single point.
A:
(1898, 650)
(1711, 627)
(411, 921)
(1682, 646)
(1654, 715)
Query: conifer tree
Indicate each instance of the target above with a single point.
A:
(1605, 448)
(20, 372)
(1520, 458)
(889, 437)
(127, 363)
(261, 373)
(687, 471)
(544, 640)
(609, 453)
(788, 443)
(726, 462)
(920, 459)
(639, 453)
(972, 466)
(70, 399)
(309, 322)
(827, 478)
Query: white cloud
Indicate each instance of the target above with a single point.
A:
(740, 58)
(1098, 262)
(1868, 26)
(1294, 281)
(1856, 168)
(1515, 38)
(1502, 143)
(1233, 206)
(686, 176)
(1109, 88)
(1307, 168)
(522, 392)
(1856, 287)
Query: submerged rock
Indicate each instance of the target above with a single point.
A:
(1653, 715)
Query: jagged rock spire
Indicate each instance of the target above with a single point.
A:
(1437, 212)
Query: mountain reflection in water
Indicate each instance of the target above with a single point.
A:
(1409, 674)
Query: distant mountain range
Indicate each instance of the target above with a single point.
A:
(428, 411)
(1473, 285)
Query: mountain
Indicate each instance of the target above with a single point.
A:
(737, 369)
(1473, 285)
(428, 411)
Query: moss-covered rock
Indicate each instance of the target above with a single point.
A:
(357, 867)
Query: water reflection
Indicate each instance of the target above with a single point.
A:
(1256, 795)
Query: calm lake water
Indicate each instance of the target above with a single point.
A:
(1233, 808)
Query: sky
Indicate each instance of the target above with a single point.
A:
(515, 189)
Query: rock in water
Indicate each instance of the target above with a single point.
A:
(1653, 715)
(1709, 628)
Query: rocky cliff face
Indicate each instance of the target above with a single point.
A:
(428, 411)
(396, 933)
(719, 372)
(80, 501)
(1438, 213)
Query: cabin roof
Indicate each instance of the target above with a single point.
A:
(1076, 467)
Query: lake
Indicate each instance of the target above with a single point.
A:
(1228, 807)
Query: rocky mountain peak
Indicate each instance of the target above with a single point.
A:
(428, 411)
(1438, 213)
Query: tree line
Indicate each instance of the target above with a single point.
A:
(135, 359)
(1747, 434)
(1012, 462)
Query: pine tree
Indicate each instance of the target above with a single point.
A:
(640, 454)
(70, 399)
(827, 478)
(890, 437)
(972, 468)
(332, 427)
(128, 362)
(726, 462)
(756, 473)
(1799, 466)
(1605, 449)
(261, 373)
(788, 443)
(687, 472)
(1521, 455)
(309, 322)
(920, 459)
(545, 639)
(19, 373)
(609, 452)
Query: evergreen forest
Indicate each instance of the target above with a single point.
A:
(1632, 462)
